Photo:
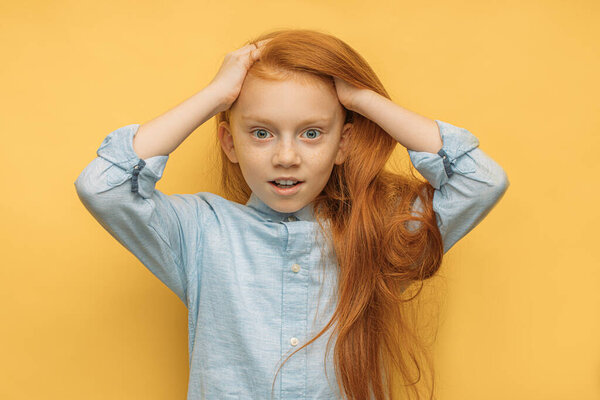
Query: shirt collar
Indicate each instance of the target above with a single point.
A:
(304, 214)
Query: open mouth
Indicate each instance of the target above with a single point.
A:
(285, 186)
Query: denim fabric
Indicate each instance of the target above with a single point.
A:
(250, 276)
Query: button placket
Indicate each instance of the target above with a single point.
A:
(294, 307)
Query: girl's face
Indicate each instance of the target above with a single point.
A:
(285, 129)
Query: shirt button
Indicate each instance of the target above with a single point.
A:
(294, 341)
(292, 218)
(295, 268)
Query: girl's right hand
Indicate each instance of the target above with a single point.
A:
(230, 77)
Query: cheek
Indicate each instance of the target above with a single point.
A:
(253, 161)
(255, 156)
(321, 160)
(246, 151)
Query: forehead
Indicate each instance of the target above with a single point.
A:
(289, 99)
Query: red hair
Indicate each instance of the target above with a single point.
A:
(368, 210)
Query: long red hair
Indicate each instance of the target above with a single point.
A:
(368, 210)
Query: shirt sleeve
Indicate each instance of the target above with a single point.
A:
(118, 189)
(467, 182)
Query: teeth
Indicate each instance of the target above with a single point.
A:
(286, 182)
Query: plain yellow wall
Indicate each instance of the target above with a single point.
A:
(82, 318)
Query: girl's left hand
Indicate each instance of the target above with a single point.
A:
(348, 94)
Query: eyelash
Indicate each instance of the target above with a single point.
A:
(310, 129)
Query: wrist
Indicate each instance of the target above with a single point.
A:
(364, 98)
(215, 94)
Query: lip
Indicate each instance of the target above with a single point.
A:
(287, 178)
(286, 191)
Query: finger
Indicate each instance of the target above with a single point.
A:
(253, 46)
(263, 42)
(258, 45)
(246, 49)
(255, 54)
(253, 50)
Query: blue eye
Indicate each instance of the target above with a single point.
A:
(314, 130)
(257, 130)
(263, 137)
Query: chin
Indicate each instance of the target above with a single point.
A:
(288, 209)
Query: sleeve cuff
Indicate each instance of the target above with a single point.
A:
(117, 148)
(438, 168)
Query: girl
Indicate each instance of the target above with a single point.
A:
(309, 216)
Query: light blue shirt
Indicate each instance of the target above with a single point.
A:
(250, 276)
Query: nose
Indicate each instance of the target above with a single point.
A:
(286, 154)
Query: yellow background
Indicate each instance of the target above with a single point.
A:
(81, 318)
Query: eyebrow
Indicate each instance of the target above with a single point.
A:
(303, 122)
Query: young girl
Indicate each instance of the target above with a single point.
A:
(310, 218)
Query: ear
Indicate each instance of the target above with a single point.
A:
(226, 140)
(342, 153)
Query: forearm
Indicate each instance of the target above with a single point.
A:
(163, 134)
(413, 131)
